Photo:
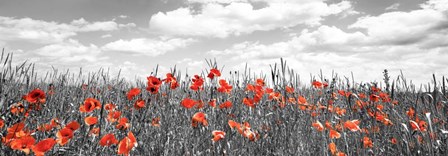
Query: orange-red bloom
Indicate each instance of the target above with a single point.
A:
(43, 146)
(367, 142)
(153, 84)
(260, 82)
(318, 126)
(197, 83)
(133, 92)
(352, 125)
(226, 104)
(218, 135)
(139, 104)
(289, 89)
(91, 120)
(64, 135)
(214, 72)
(332, 148)
(249, 102)
(126, 144)
(224, 87)
(171, 80)
(317, 84)
(155, 122)
(74, 125)
(24, 144)
(334, 134)
(109, 107)
(199, 117)
(2, 123)
(108, 139)
(113, 116)
(188, 103)
(89, 105)
(123, 124)
(36, 96)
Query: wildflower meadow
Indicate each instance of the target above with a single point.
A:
(273, 113)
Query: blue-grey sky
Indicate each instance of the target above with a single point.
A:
(360, 36)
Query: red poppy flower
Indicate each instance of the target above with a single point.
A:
(74, 125)
(249, 102)
(317, 84)
(126, 144)
(199, 118)
(197, 83)
(24, 144)
(64, 135)
(123, 124)
(289, 89)
(91, 120)
(188, 103)
(367, 142)
(226, 104)
(108, 140)
(318, 126)
(352, 125)
(332, 148)
(218, 135)
(133, 92)
(155, 122)
(224, 87)
(43, 146)
(89, 105)
(214, 72)
(260, 82)
(334, 134)
(2, 123)
(171, 80)
(113, 116)
(36, 96)
(212, 103)
(139, 104)
(109, 107)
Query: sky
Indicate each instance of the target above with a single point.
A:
(362, 37)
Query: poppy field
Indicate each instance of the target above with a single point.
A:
(207, 113)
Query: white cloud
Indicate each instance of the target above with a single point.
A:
(393, 7)
(106, 36)
(67, 55)
(195, 64)
(44, 32)
(218, 20)
(128, 25)
(440, 5)
(365, 54)
(216, 1)
(82, 25)
(123, 16)
(146, 46)
(68, 52)
(402, 28)
(184, 60)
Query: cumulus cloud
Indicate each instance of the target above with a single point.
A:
(393, 7)
(413, 41)
(67, 55)
(44, 32)
(68, 52)
(236, 18)
(216, 1)
(427, 24)
(146, 46)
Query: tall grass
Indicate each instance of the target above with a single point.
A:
(283, 131)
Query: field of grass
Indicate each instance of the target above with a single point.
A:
(65, 113)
